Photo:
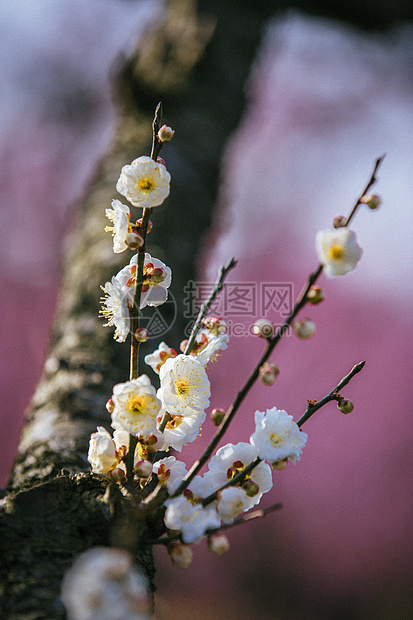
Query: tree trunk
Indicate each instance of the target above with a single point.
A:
(196, 63)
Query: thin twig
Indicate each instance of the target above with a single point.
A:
(135, 312)
(271, 344)
(217, 288)
(313, 407)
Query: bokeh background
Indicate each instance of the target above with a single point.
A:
(324, 99)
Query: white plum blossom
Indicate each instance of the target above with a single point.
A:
(208, 345)
(338, 251)
(231, 460)
(102, 453)
(156, 280)
(119, 215)
(144, 182)
(232, 501)
(187, 515)
(115, 309)
(159, 356)
(135, 407)
(104, 584)
(171, 472)
(181, 429)
(185, 387)
(277, 436)
(191, 519)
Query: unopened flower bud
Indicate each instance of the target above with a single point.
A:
(110, 405)
(263, 328)
(183, 344)
(165, 134)
(315, 295)
(340, 221)
(268, 373)
(373, 201)
(143, 469)
(134, 241)
(218, 544)
(280, 465)
(141, 334)
(160, 160)
(250, 487)
(181, 555)
(217, 415)
(304, 328)
(345, 405)
(117, 475)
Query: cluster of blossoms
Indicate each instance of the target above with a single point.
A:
(149, 421)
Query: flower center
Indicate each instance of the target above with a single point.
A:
(140, 404)
(335, 252)
(145, 185)
(182, 387)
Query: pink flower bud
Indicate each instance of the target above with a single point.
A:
(143, 469)
(217, 415)
(141, 334)
(268, 373)
(165, 134)
(110, 405)
(304, 328)
(181, 555)
(263, 328)
(218, 544)
(315, 295)
(340, 221)
(117, 475)
(134, 241)
(373, 201)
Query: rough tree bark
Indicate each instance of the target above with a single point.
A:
(196, 63)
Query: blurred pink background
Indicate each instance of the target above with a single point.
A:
(323, 104)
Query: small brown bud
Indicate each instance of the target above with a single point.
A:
(340, 221)
(165, 134)
(268, 373)
(218, 544)
(143, 469)
(304, 328)
(345, 405)
(181, 555)
(315, 295)
(217, 415)
(373, 201)
(141, 334)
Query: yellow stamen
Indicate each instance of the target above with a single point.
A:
(145, 185)
(182, 387)
(139, 404)
(335, 252)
